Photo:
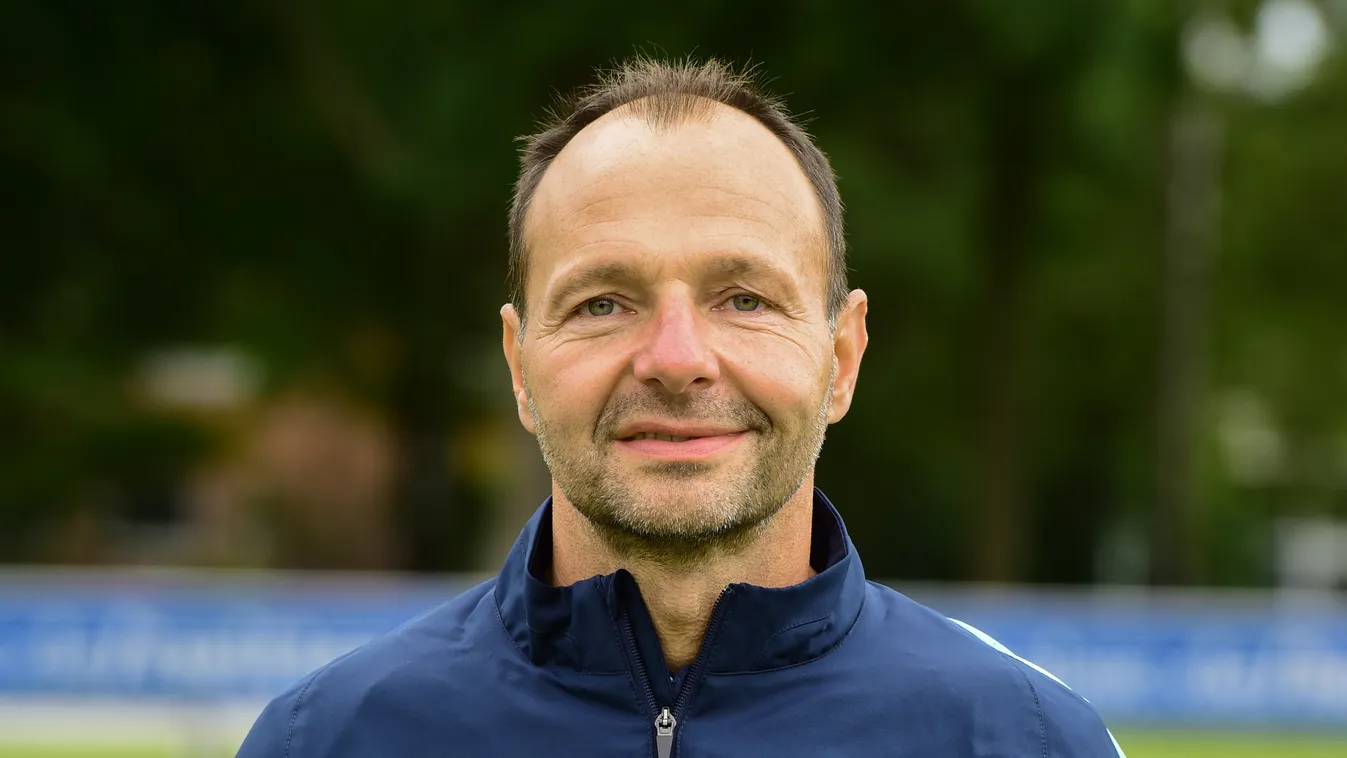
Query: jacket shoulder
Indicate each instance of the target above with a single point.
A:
(969, 666)
(386, 675)
(1070, 725)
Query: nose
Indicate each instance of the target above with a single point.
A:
(675, 353)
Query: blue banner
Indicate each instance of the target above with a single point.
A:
(189, 637)
(1183, 659)
(1166, 659)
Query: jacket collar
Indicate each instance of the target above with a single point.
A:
(759, 628)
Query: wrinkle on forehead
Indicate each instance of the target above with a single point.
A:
(723, 163)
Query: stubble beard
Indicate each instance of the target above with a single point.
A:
(683, 529)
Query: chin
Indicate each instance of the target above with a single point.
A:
(688, 508)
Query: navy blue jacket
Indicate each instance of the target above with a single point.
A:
(835, 666)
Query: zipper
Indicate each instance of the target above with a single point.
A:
(640, 664)
(666, 718)
(694, 671)
(664, 726)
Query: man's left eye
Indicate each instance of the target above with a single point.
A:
(746, 302)
(599, 306)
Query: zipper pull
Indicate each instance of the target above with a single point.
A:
(664, 734)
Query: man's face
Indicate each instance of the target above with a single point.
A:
(677, 365)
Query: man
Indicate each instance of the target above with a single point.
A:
(680, 334)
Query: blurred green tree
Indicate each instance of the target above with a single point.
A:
(323, 186)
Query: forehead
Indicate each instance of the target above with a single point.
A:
(720, 181)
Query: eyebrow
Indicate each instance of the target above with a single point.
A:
(734, 266)
(721, 267)
(730, 266)
(589, 278)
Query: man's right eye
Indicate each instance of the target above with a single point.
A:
(599, 306)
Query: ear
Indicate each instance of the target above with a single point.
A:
(849, 343)
(512, 343)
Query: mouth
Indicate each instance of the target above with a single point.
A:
(681, 447)
(664, 437)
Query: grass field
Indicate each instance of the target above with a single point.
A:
(1137, 745)
(1205, 745)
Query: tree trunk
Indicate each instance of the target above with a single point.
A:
(1001, 534)
(1195, 147)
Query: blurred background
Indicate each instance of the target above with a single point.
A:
(253, 408)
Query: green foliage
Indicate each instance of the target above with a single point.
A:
(325, 185)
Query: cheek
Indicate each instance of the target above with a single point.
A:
(779, 376)
(570, 386)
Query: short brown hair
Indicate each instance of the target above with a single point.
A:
(666, 94)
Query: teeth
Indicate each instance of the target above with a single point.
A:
(665, 437)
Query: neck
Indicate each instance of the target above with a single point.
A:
(680, 599)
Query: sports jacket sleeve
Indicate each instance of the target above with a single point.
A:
(273, 734)
(1069, 726)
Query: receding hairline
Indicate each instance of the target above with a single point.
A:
(695, 110)
(674, 93)
(666, 111)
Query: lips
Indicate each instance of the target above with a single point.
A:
(672, 432)
(686, 444)
(657, 436)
